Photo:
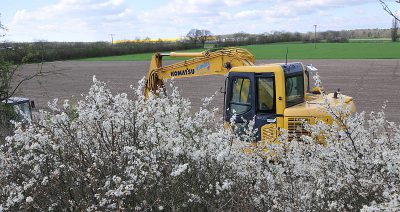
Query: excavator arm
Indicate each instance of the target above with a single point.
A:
(211, 62)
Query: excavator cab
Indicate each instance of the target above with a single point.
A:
(22, 108)
(251, 92)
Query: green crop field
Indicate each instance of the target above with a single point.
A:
(383, 50)
(351, 50)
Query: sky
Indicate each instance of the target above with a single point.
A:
(95, 20)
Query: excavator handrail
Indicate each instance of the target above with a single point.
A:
(243, 54)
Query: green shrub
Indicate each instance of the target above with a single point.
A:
(7, 114)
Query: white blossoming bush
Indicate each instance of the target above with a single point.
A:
(112, 153)
(357, 165)
(109, 152)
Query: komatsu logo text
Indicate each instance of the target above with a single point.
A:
(182, 72)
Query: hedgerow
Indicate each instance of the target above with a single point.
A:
(121, 152)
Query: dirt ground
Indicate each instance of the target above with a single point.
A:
(370, 82)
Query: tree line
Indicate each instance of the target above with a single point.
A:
(52, 51)
(243, 38)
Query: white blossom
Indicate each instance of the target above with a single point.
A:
(29, 199)
(179, 169)
(125, 152)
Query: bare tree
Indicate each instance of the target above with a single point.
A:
(194, 35)
(199, 35)
(204, 36)
(395, 28)
(388, 10)
(10, 81)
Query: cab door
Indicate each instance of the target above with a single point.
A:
(265, 107)
(251, 96)
(240, 97)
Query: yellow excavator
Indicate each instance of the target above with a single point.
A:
(274, 95)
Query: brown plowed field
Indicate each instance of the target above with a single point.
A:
(370, 82)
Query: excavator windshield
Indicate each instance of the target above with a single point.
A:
(22, 108)
(240, 101)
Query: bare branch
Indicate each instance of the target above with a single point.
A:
(388, 10)
(24, 80)
(8, 90)
(2, 27)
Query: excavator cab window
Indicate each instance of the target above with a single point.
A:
(265, 95)
(240, 101)
(294, 90)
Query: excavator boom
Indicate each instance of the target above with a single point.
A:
(212, 62)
